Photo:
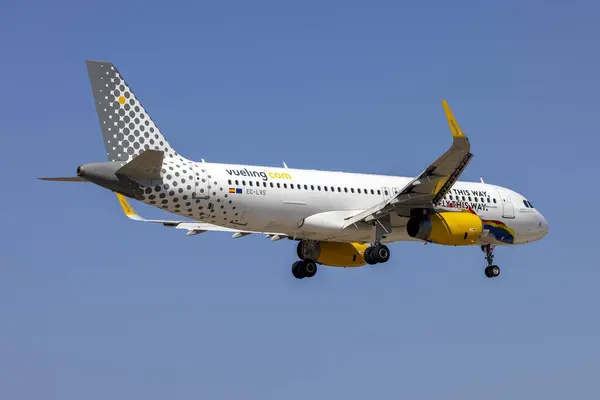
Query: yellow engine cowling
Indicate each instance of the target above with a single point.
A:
(341, 254)
(447, 228)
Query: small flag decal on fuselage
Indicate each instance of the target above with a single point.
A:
(235, 190)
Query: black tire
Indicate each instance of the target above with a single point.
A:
(299, 250)
(309, 268)
(297, 271)
(494, 271)
(369, 256)
(381, 253)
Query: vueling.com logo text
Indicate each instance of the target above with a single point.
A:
(265, 175)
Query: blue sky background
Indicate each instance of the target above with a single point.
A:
(95, 306)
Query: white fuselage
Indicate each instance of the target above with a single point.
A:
(312, 204)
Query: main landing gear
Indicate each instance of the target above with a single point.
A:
(310, 250)
(378, 253)
(491, 271)
(304, 269)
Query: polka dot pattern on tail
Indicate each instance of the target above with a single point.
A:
(126, 126)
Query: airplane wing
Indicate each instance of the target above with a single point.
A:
(192, 227)
(427, 189)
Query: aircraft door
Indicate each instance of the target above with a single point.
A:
(202, 187)
(508, 209)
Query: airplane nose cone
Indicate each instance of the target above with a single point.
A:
(543, 225)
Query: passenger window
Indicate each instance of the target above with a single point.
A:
(243, 183)
(312, 187)
(450, 197)
(237, 182)
(333, 189)
(278, 185)
(250, 183)
(285, 185)
(386, 192)
(352, 190)
(372, 191)
(366, 191)
(291, 185)
(265, 184)
(339, 189)
(469, 198)
(482, 200)
(494, 200)
(325, 188)
(464, 198)
(271, 183)
(319, 188)
(378, 192)
(229, 181)
(305, 187)
(488, 199)
(358, 190)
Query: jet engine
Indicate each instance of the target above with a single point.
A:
(333, 254)
(447, 228)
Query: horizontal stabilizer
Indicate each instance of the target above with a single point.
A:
(65, 179)
(144, 167)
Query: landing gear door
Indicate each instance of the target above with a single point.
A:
(385, 191)
(201, 189)
(508, 209)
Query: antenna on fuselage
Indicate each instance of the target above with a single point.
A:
(481, 179)
(284, 164)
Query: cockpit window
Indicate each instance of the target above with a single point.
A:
(525, 202)
(530, 205)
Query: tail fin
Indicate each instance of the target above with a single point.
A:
(127, 129)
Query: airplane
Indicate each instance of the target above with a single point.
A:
(338, 219)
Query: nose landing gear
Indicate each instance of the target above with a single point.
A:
(491, 271)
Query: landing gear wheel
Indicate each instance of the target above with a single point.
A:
(310, 268)
(491, 271)
(296, 270)
(369, 259)
(377, 254)
(494, 271)
(304, 269)
(300, 250)
(381, 253)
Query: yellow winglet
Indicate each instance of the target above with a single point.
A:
(454, 127)
(127, 209)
